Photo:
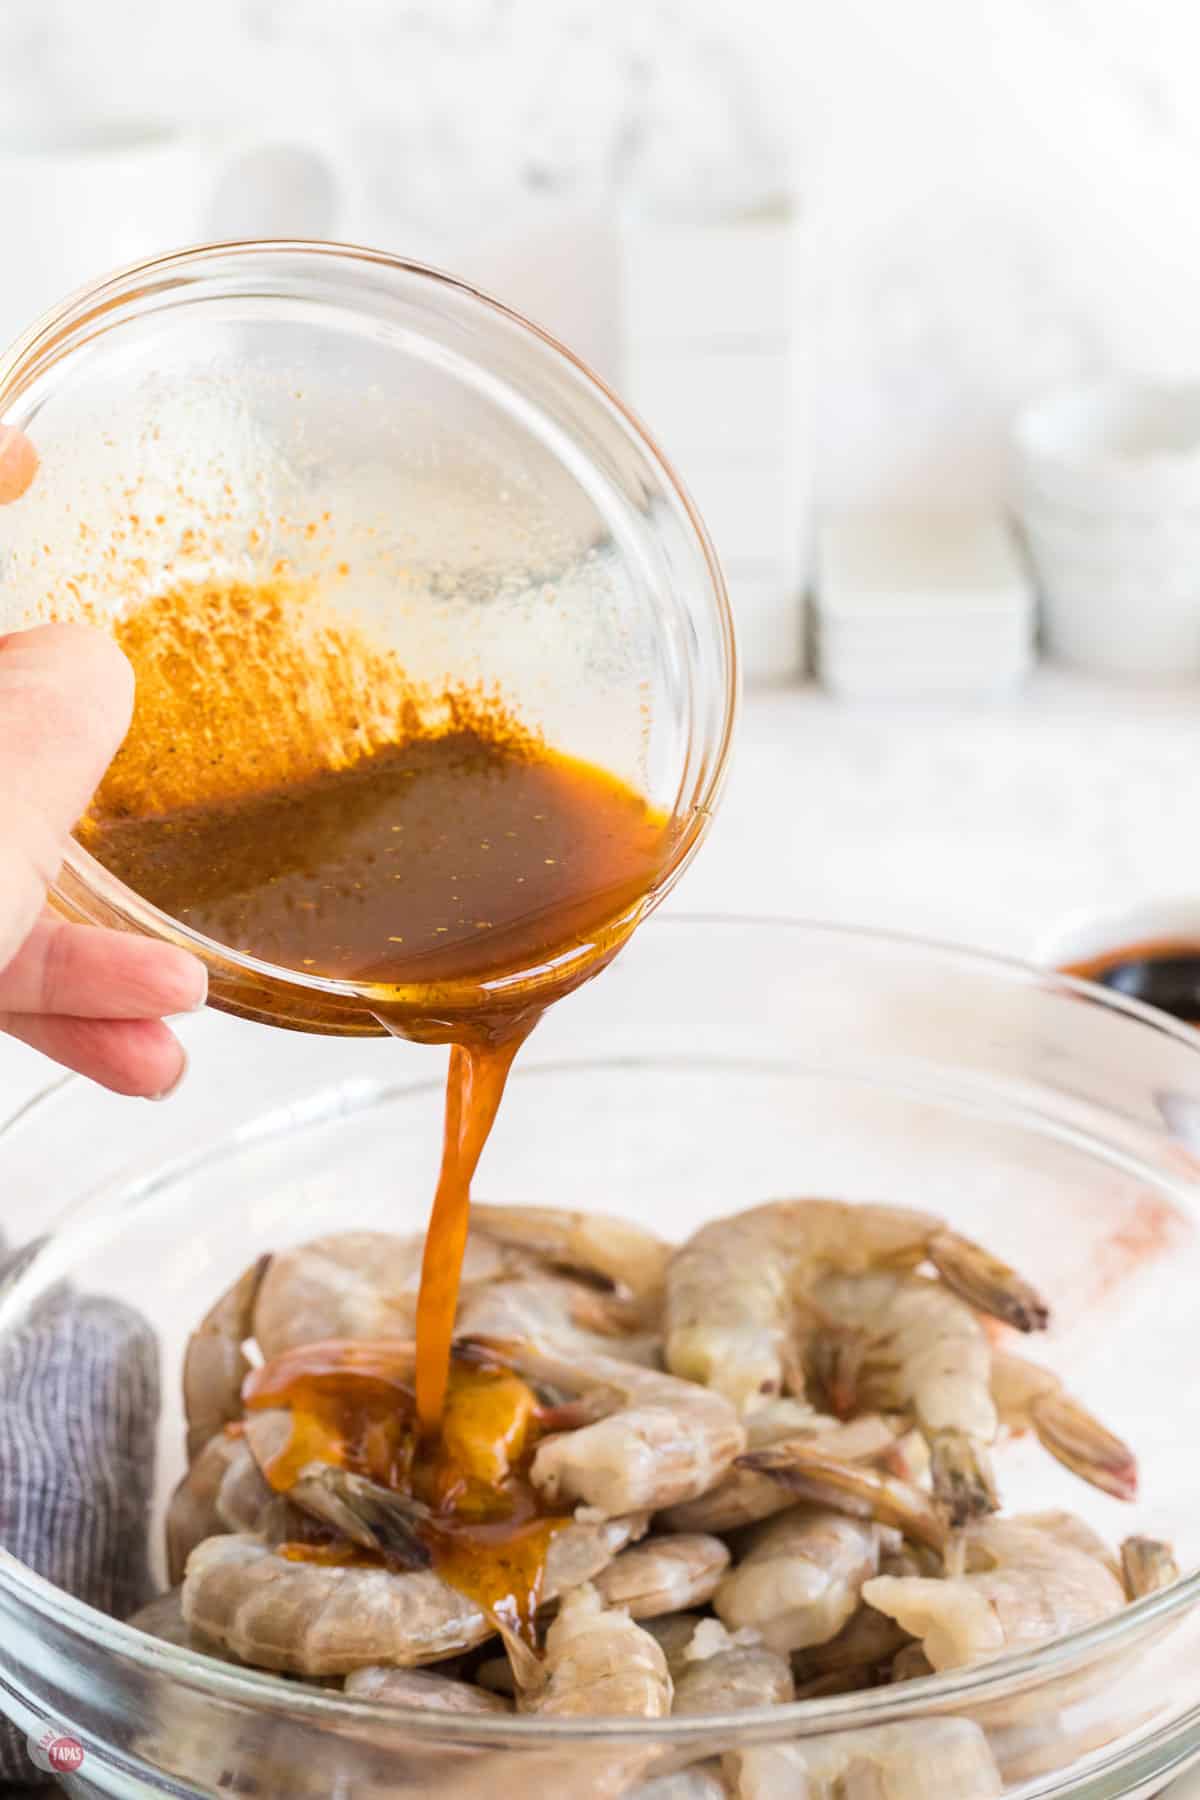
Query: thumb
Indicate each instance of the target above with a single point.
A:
(66, 697)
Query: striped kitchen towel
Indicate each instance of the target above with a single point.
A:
(79, 1400)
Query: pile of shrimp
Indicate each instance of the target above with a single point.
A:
(771, 1460)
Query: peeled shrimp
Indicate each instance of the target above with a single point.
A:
(738, 1290)
(655, 1441)
(542, 1308)
(163, 1618)
(928, 1759)
(718, 1674)
(743, 1496)
(1029, 1397)
(630, 1257)
(1028, 1579)
(800, 1579)
(313, 1619)
(353, 1284)
(599, 1663)
(663, 1574)
(214, 1364)
(222, 1491)
(363, 1284)
(916, 1348)
(422, 1688)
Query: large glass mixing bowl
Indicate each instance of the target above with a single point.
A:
(448, 477)
(717, 1064)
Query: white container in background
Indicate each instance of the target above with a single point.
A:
(1108, 493)
(1094, 931)
(80, 197)
(708, 316)
(912, 603)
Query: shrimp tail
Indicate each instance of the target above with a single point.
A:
(369, 1515)
(1147, 1565)
(985, 1282)
(529, 1672)
(860, 1492)
(835, 1357)
(963, 1482)
(1078, 1440)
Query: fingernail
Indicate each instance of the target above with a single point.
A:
(199, 1004)
(168, 1091)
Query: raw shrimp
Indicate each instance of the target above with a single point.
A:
(1028, 1397)
(214, 1363)
(363, 1284)
(655, 1441)
(354, 1284)
(662, 1574)
(599, 1663)
(1147, 1565)
(738, 1289)
(313, 1619)
(743, 1497)
(719, 1673)
(222, 1491)
(544, 1308)
(860, 1492)
(423, 1688)
(800, 1578)
(1028, 1579)
(633, 1259)
(928, 1759)
(163, 1618)
(906, 1344)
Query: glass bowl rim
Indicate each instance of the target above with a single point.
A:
(975, 1685)
(56, 329)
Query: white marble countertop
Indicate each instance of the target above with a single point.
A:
(985, 824)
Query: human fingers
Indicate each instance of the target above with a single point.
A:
(66, 696)
(84, 972)
(130, 1056)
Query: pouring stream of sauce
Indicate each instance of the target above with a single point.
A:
(286, 790)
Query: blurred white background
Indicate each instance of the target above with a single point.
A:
(906, 222)
(991, 195)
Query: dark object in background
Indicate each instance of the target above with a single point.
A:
(79, 1400)
(1164, 972)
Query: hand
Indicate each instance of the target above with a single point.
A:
(93, 1000)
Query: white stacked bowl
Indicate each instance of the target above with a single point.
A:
(1108, 492)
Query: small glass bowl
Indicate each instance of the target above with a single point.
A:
(448, 476)
(717, 1064)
